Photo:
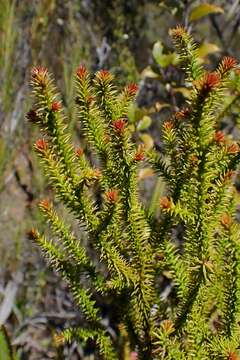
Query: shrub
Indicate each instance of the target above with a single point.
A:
(130, 252)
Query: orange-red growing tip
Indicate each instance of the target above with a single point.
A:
(112, 195)
(56, 106)
(178, 31)
(182, 114)
(104, 75)
(233, 148)
(219, 137)
(228, 63)
(139, 155)
(165, 203)
(168, 125)
(39, 75)
(45, 204)
(167, 326)
(81, 71)
(39, 71)
(32, 234)
(226, 220)
(132, 89)
(41, 145)
(119, 125)
(210, 81)
(79, 152)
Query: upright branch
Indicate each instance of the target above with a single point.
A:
(129, 255)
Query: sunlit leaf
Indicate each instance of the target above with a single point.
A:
(5, 348)
(145, 173)
(203, 10)
(135, 113)
(149, 73)
(144, 123)
(163, 60)
(147, 140)
(207, 48)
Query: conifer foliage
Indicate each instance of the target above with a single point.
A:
(129, 251)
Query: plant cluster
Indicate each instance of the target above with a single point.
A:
(130, 251)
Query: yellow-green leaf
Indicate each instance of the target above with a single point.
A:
(203, 10)
(144, 123)
(163, 60)
(145, 173)
(207, 48)
(5, 347)
(149, 73)
(147, 140)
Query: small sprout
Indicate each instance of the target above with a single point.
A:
(165, 203)
(182, 114)
(219, 137)
(79, 152)
(119, 125)
(209, 82)
(33, 234)
(56, 106)
(104, 76)
(226, 220)
(167, 326)
(59, 339)
(41, 145)
(233, 148)
(178, 31)
(45, 204)
(168, 125)
(38, 72)
(81, 72)
(131, 89)
(39, 75)
(112, 196)
(228, 63)
(139, 155)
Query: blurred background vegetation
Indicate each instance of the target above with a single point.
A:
(128, 37)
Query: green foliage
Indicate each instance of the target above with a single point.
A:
(6, 351)
(130, 250)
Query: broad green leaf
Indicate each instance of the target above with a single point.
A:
(135, 113)
(147, 140)
(149, 73)
(207, 48)
(5, 349)
(144, 123)
(163, 60)
(203, 10)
